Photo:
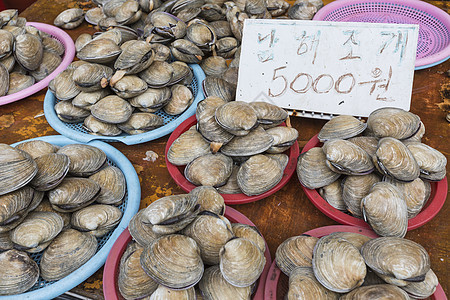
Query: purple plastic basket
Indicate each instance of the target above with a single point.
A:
(433, 46)
(69, 54)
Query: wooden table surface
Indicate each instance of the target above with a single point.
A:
(280, 216)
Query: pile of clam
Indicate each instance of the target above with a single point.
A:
(27, 55)
(183, 241)
(345, 265)
(55, 203)
(236, 147)
(379, 170)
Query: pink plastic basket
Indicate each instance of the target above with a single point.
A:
(433, 46)
(69, 54)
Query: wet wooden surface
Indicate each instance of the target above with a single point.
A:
(284, 214)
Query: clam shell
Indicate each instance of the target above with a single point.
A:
(28, 51)
(355, 188)
(19, 272)
(214, 66)
(36, 148)
(50, 61)
(417, 137)
(241, 262)
(73, 194)
(85, 100)
(187, 147)
(5, 242)
(6, 46)
(211, 233)
(112, 109)
(236, 117)
(112, 183)
(423, 289)
(217, 87)
(227, 47)
(269, 115)
(96, 127)
(66, 253)
(250, 233)
(380, 291)
(182, 98)
(432, 163)
(355, 239)
(209, 169)
(332, 193)
(341, 127)
(152, 99)
(97, 219)
(17, 168)
(186, 51)
(52, 168)
(282, 159)
(255, 142)
(36, 231)
(85, 160)
(138, 56)
(347, 158)
(4, 80)
(45, 206)
(304, 285)
(393, 122)
(63, 86)
(94, 15)
(164, 293)
(129, 12)
(82, 40)
(201, 35)
(162, 52)
(18, 82)
(384, 208)
(141, 122)
(69, 113)
(129, 86)
(209, 199)
(14, 207)
(258, 175)
(158, 74)
(132, 281)
(367, 143)
(221, 28)
(337, 264)
(173, 260)
(141, 232)
(312, 170)
(70, 18)
(296, 251)
(231, 187)
(214, 286)
(394, 159)
(90, 77)
(283, 138)
(9, 63)
(396, 257)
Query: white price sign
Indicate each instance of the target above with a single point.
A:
(327, 67)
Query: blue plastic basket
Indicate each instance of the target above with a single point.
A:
(76, 131)
(49, 289)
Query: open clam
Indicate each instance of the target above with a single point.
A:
(19, 272)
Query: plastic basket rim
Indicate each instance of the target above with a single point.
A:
(427, 214)
(270, 292)
(62, 128)
(92, 265)
(69, 54)
(421, 63)
(230, 199)
(110, 272)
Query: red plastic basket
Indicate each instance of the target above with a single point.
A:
(432, 207)
(177, 172)
(111, 270)
(277, 282)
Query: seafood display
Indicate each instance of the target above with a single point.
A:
(347, 265)
(205, 251)
(379, 171)
(56, 203)
(27, 54)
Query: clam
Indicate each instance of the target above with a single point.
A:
(341, 127)
(381, 291)
(66, 253)
(28, 51)
(201, 35)
(19, 272)
(162, 52)
(214, 66)
(5, 242)
(63, 85)
(282, 159)
(17, 168)
(393, 122)
(384, 208)
(209, 199)
(269, 115)
(158, 75)
(110, 8)
(395, 160)
(70, 18)
(186, 51)
(417, 137)
(304, 285)
(337, 264)
(396, 257)
(129, 86)
(171, 213)
(46, 206)
(97, 219)
(8, 62)
(52, 45)
(128, 13)
(73, 194)
(132, 281)
(283, 138)
(182, 98)
(231, 187)
(217, 87)
(211, 232)
(187, 147)
(14, 207)
(94, 15)
(188, 14)
(141, 232)
(99, 51)
(52, 168)
(227, 47)
(173, 260)
(69, 113)
(422, 289)
(367, 143)
(4, 80)
(332, 193)
(182, 73)
(164, 293)
(91, 77)
(221, 28)
(277, 7)
(15, 31)
(6, 44)
(85, 160)
(85, 100)
(241, 262)
(355, 239)
(165, 25)
(354, 189)
(107, 22)
(312, 170)
(236, 18)
(432, 163)
(250, 233)
(112, 183)
(36, 148)
(255, 142)
(236, 117)
(214, 286)
(50, 61)
(94, 126)
(347, 158)
(36, 231)
(141, 123)
(303, 10)
(18, 82)
(112, 109)
(152, 99)
(209, 169)
(296, 251)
